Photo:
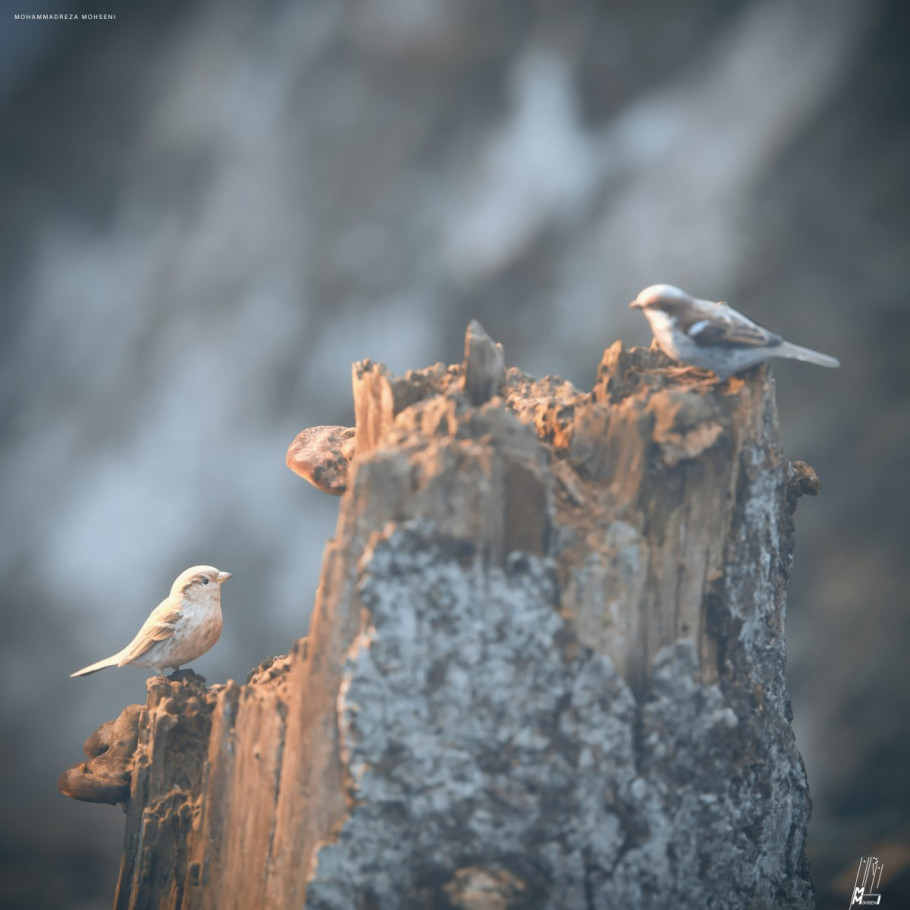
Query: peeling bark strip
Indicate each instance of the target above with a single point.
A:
(545, 667)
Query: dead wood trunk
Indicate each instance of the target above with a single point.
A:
(545, 667)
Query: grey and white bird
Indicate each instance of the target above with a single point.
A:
(181, 628)
(712, 335)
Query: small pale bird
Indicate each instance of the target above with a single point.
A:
(712, 335)
(181, 628)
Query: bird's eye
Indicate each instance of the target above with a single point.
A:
(205, 580)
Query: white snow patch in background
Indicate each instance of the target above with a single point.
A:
(538, 167)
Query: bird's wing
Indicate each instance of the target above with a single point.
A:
(159, 626)
(722, 325)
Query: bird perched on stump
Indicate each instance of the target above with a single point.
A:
(712, 335)
(181, 628)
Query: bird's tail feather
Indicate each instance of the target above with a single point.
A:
(100, 665)
(795, 352)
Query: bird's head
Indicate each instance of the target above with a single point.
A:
(199, 580)
(660, 297)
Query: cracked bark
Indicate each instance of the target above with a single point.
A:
(545, 666)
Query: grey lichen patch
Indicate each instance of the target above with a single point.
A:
(486, 761)
(469, 740)
(699, 775)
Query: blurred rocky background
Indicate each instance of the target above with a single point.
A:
(210, 210)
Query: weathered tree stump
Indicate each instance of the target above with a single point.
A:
(545, 667)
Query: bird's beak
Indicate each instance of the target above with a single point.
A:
(636, 304)
(222, 576)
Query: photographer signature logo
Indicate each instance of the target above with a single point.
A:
(868, 878)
